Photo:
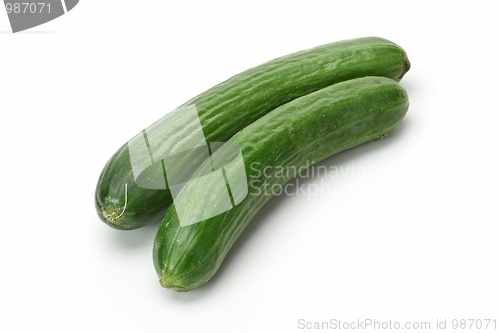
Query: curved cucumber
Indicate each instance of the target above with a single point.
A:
(192, 240)
(133, 189)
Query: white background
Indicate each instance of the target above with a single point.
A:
(418, 240)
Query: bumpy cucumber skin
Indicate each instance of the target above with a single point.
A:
(234, 104)
(300, 133)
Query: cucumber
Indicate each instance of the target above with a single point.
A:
(192, 240)
(133, 191)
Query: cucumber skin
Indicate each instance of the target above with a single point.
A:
(300, 133)
(234, 104)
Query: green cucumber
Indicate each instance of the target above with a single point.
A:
(128, 198)
(274, 148)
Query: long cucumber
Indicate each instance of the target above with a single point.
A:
(133, 189)
(224, 194)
